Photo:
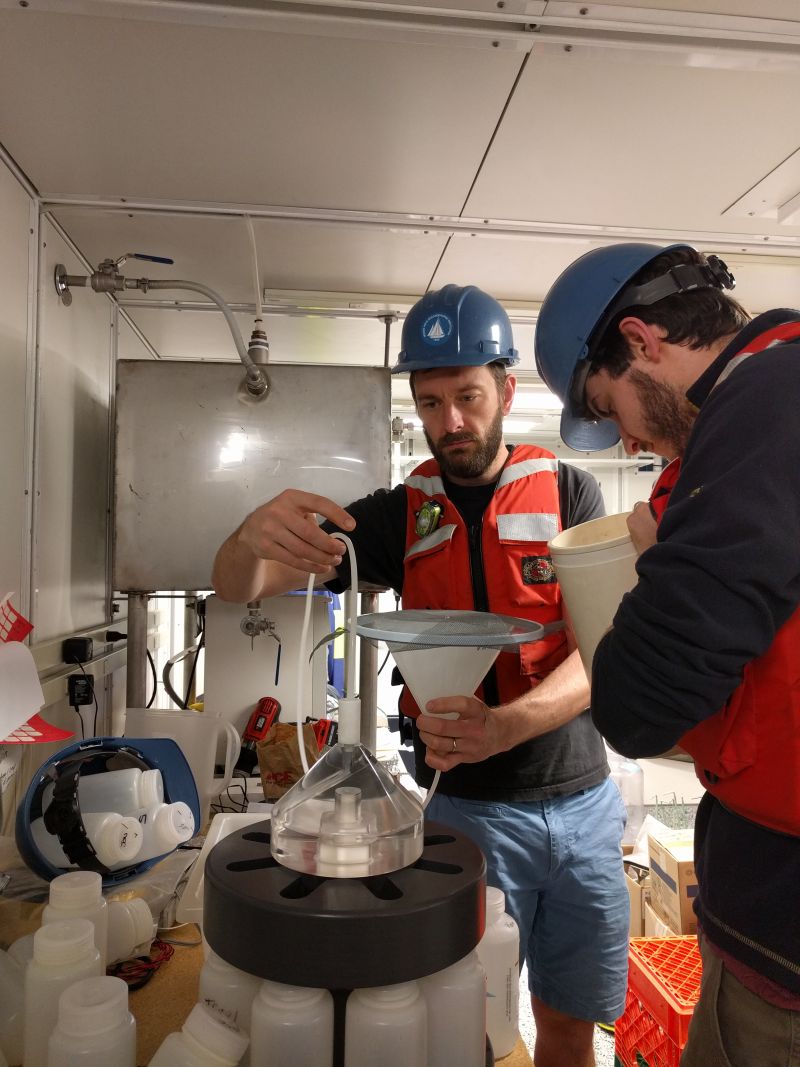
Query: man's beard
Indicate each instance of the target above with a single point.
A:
(477, 460)
(667, 413)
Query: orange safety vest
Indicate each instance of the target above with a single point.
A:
(521, 518)
(748, 753)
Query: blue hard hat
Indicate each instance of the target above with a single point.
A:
(583, 298)
(455, 327)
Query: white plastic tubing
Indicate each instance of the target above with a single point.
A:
(350, 658)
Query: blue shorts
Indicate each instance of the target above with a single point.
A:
(559, 863)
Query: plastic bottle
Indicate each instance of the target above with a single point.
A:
(386, 1025)
(12, 1008)
(164, 827)
(228, 992)
(498, 951)
(131, 929)
(456, 1002)
(124, 791)
(117, 839)
(94, 1027)
(628, 777)
(21, 950)
(204, 1041)
(79, 895)
(291, 1025)
(63, 953)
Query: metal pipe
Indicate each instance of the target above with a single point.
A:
(189, 637)
(368, 680)
(136, 690)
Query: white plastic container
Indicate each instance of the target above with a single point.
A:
(131, 929)
(79, 895)
(94, 1028)
(117, 839)
(386, 1026)
(63, 953)
(124, 791)
(228, 992)
(291, 1025)
(21, 950)
(204, 1041)
(12, 1008)
(595, 564)
(164, 827)
(498, 951)
(456, 1003)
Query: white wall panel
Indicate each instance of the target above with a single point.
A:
(14, 225)
(71, 517)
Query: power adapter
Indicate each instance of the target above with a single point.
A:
(76, 649)
(80, 688)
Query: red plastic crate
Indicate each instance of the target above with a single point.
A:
(663, 986)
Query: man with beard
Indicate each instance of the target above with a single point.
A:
(524, 771)
(644, 343)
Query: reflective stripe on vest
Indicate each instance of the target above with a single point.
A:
(537, 526)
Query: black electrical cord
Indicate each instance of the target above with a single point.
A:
(152, 663)
(80, 720)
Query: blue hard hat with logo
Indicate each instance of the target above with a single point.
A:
(455, 327)
(581, 302)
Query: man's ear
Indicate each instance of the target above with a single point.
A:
(643, 339)
(509, 389)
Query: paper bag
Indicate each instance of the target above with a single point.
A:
(279, 757)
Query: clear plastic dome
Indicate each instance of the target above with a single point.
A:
(347, 818)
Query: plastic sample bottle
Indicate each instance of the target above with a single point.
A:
(21, 950)
(131, 929)
(386, 1025)
(291, 1025)
(164, 827)
(628, 777)
(204, 1041)
(228, 992)
(79, 895)
(498, 951)
(124, 791)
(117, 839)
(94, 1027)
(63, 953)
(12, 1008)
(456, 1002)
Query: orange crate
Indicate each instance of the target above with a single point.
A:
(663, 986)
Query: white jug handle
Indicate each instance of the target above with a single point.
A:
(233, 746)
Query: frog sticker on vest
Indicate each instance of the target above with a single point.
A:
(428, 518)
(538, 570)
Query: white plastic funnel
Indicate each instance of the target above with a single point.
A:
(449, 671)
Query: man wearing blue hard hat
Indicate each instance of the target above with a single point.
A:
(524, 771)
(644, 343)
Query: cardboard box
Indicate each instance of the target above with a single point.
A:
(654, 926)
(673, 879)
(638, 883)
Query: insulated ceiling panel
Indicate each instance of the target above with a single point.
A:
(114, 107)
(643, 139)
(217, 252)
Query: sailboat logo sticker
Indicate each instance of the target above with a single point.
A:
(436, 329)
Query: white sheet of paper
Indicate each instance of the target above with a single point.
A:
(20, 691)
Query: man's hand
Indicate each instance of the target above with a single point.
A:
(474, 731)
(642, 526)
(285, 529)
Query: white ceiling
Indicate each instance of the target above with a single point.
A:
(383, 148)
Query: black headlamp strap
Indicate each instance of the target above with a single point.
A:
(63, 820)
(682, 278)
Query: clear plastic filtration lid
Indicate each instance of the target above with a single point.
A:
(422, 628)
